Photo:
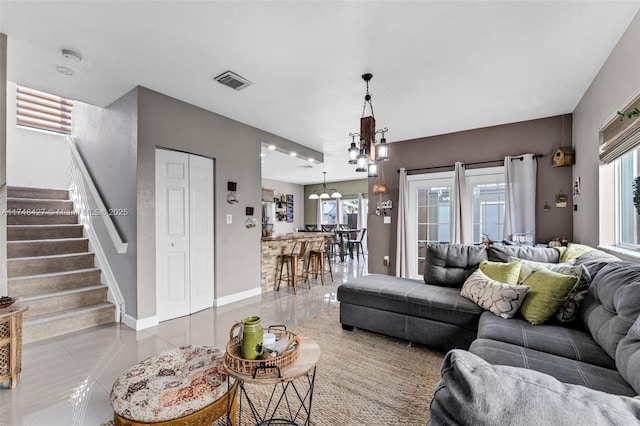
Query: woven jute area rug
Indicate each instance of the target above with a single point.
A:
(368, 379)
(364, 378)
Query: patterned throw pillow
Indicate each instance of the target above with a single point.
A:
(568, 310)
(501, 299)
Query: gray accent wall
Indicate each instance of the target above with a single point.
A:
(490, 143)
(118, 145)
(3, 163)
(107, 141)
(235, 147)
(617, 81)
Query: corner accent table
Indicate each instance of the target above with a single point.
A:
(291, 396)
(11, 342)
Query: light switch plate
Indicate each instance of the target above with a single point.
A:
(229, 219)
(387, 219)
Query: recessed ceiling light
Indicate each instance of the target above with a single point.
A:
(262, 154)
(293, 154)
(272, 147)
(311, 160)
(64, 70)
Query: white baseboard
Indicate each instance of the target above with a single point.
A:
(236, 297)
(139, 324)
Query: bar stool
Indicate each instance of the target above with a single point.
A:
(292, 261)
(316, 262)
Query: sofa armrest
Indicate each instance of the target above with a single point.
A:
(474, 392)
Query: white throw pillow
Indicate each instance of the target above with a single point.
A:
(501, 299)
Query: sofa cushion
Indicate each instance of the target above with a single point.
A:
(628, 356)
(595, 260)
(556, 339)
(448, 265)
(538, 254)
(473, 392)
(411, 297)
(564, 369)
(612, 304)
(547, 291)
(500, 299)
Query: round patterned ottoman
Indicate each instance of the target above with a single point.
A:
(185, 385)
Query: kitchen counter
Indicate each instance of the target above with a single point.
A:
(274, 246)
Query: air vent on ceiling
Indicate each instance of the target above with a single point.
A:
(233, 80)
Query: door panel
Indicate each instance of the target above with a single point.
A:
(172, 236)
(201, 232)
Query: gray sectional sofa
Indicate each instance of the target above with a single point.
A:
(600, 351)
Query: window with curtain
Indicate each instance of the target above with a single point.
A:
(43, 111)
(430, 213)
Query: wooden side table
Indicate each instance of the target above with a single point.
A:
(291, 395)
(11, 342)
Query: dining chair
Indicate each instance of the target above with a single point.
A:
(357, 242)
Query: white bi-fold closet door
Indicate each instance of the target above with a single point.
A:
(184, 234)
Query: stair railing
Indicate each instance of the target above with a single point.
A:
(82, 187)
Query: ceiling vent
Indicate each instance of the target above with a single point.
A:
(233, 80)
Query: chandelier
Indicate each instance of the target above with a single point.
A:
(366, 154)
(324, 193)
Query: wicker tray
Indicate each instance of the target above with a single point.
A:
(260, 367)
(6, 301)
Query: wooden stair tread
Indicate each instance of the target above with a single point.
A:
(75, 290)
(66, 313)
(52, 274)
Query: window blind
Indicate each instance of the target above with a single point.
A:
(617, 136)
(41, 110)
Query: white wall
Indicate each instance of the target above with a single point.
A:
(34, 158)
(617, 81)
(297, 191)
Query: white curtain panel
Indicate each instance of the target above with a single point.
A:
(461, 229)
(338, 212)
(319, 216)
(520, 195)
(362, 214)
(404, 255)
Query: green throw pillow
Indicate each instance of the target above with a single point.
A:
(574, 251)
(547, 291)
(507, 273)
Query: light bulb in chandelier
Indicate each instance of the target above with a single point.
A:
(372, 170)
(361, 161)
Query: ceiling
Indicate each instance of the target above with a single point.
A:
(438, 67)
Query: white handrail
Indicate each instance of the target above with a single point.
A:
(76, 159)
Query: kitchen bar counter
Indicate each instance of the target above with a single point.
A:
(275, 245)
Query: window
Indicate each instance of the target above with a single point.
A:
(349, 211)
(627, 217)
(40, 110)
(430, 208)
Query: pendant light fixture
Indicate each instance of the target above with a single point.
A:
(363, 153)
(324, 193)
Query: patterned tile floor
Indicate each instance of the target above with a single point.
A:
(66, 380)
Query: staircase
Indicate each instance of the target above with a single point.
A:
(49, 266)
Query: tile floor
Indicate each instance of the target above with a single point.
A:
(66, 380)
